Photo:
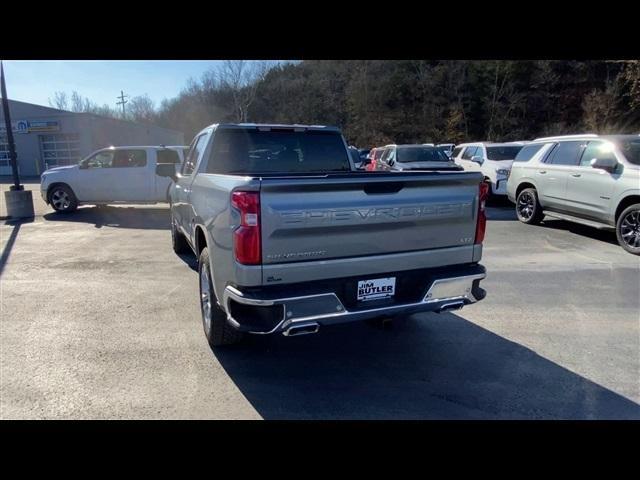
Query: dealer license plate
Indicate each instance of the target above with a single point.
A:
(376, 289)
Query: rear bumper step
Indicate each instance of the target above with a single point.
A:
(311, 311)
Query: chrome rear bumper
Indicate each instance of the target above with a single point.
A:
(327, 309)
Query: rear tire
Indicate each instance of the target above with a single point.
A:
(178, 241)
(628, 229)
(528, 209)
(62, 199)
(214, 320)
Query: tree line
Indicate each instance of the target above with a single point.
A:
(376, 102)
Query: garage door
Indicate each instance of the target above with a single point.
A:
(5, 164)
(59, 149)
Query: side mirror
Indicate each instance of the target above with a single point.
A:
(477, 159)
(83, 165)
(606, 163)
(166, 170)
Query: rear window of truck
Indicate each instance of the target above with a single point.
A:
(421, 154)
(253, 151)
(527, 152)
(503, 153)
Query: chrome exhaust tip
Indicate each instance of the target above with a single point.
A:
(448, 307)
(302, 329)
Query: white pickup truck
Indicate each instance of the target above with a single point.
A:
(111, 175)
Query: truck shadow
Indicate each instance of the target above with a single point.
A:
(582, 230)
(499, 208)
(501, 213)
(117, 216)
(425, 367)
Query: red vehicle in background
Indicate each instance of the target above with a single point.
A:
(374, 156)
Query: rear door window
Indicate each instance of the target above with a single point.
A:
(129, 158)
(597, 150)
(630, 148)
(456, 151)
(566, 153)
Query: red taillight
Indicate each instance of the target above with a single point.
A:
(481, 226)
(246, 238)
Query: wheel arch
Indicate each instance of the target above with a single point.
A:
(199, 240)
(58, 184)
(624, 203)
(525, 184)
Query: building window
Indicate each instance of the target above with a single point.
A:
(59, 149)
(4, 152)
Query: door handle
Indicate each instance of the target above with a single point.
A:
(576, 175)
(542, 171)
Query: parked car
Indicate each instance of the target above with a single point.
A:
(589, 179)
(493, 160)
(287, 242)
(355, 157)
(111, 175)
(373, 157)
(447, 147)
(414, 157)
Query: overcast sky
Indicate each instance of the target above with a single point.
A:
(100, 80)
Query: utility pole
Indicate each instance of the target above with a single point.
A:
(122, 101)
(18, 200)
(13, 157)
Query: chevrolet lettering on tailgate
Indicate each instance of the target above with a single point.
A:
(357, 215)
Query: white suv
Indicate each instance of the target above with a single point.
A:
(493, 160)
(589, 179)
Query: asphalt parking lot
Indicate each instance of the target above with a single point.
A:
(100, 319)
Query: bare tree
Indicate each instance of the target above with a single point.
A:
(600, 109)
(242, 78)
(59, 101)
(142, 109)
(631, 75)
(80, 103)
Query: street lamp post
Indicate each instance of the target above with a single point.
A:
(19, 201)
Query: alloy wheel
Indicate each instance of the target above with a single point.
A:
(60, 200)
(205, 297)
(630, 229)
(526, 205)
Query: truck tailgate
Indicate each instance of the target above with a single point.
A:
(343, 216)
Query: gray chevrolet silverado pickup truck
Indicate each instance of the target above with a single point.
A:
(290, 236)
